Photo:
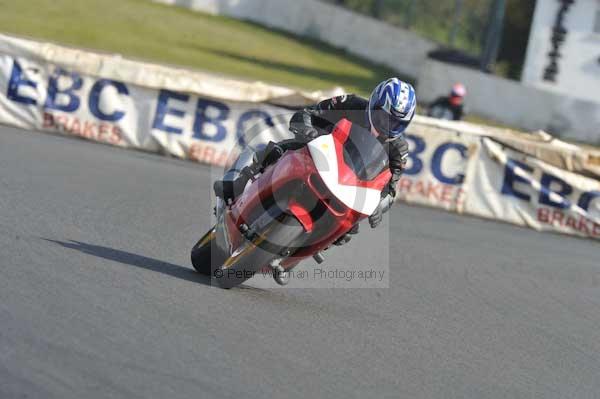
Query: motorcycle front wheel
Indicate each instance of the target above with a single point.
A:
(259, 252)
(206, 256)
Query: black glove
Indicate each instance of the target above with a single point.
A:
(376, 217)
(305, 134)
(387, 200)
(391, 189)
(301, 126)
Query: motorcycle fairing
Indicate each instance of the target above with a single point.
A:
(327, 152)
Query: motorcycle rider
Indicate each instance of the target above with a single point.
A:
(450, 107)
(386, 114)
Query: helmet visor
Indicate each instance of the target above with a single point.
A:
(386, 124)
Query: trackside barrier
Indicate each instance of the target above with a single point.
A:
(530, 180)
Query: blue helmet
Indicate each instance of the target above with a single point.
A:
(392, 106)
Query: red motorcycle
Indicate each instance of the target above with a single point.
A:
(297, 208)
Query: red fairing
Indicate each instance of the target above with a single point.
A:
(302, 214)
(293, 166)
(323, 217)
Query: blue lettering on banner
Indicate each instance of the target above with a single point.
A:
(69, 92)
(163, 109)
(587, 198)
(17, 80)
(510, 178)
(436, 163)
(549, 184)
(202, 119)
(416, 163)
(94, 100)
(416, 166)
(545, 191)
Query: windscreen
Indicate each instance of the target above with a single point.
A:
(364, 154)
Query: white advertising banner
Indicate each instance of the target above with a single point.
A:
(466, 169)
(46, 97)
(437, 168)
(524, 190)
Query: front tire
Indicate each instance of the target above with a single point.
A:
(205, 255)
(259, 253)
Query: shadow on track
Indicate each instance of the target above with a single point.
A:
(128, 258)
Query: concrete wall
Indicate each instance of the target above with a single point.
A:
(498, 99)
(512, 103)
(579, 66)
(398, 49)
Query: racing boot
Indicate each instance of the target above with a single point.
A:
(229, 190)
(346, 237)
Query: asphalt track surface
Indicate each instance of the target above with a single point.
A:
(97, 297)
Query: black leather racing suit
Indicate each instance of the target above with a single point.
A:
(442, 108)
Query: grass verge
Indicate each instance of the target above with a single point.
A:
(146, 30)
